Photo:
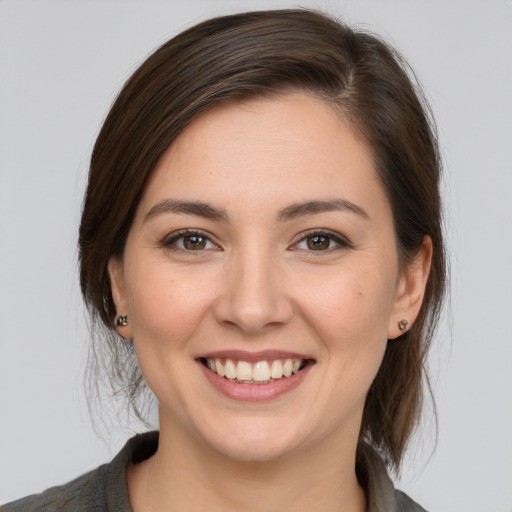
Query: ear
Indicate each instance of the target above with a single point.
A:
(411, 290)
(117, 286)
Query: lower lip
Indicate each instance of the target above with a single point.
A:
(254, 392)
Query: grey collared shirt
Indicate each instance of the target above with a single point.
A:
(105, 490)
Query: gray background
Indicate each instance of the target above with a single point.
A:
(61, 63)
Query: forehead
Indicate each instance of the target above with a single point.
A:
(269, 151)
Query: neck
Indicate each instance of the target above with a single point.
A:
(187, 475)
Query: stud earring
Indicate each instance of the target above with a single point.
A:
(122, 321)
(402, 325)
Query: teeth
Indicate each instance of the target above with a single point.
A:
(287, 368)
(230, 369)
(244, 371)
(259, 372)
(277, 369)
(219, 369)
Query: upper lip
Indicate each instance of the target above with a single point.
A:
(253, 357)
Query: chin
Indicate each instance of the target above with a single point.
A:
(251, 441)
(253, 451)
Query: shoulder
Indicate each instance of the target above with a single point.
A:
(406, 504)
(65, 497)
(101, 490)
(380, 491)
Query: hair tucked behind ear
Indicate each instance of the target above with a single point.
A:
(262, 54)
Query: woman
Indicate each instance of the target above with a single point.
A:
(261, 239)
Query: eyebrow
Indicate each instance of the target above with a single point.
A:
(196, 208)
(311, 207)
(207, 211)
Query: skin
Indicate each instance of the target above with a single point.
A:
(256, 284)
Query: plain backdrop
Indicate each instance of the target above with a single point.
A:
(61, 64)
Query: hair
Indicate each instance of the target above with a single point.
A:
(263, 54)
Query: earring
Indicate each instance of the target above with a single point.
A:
(122, 321)
(402, 325)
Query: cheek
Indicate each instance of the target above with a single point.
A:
(167, 315)
(166, 310)
(349, 304)
(350, 315)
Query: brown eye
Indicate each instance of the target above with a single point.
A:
(194, 242)
(322, 241)
(189, 241)
(318, 243)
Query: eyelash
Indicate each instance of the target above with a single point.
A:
(341, 242)
(330, 236)
(171, 242)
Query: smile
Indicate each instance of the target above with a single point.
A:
(259, 372)
(255, 376)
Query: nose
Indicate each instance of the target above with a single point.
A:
(253, 296)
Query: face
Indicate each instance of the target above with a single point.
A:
(263, 248)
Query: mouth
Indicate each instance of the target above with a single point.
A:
(258, 372)
(255, 376)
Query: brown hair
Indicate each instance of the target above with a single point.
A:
(260, 54)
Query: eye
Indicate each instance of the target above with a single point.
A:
(321, 241)
(189, 241)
